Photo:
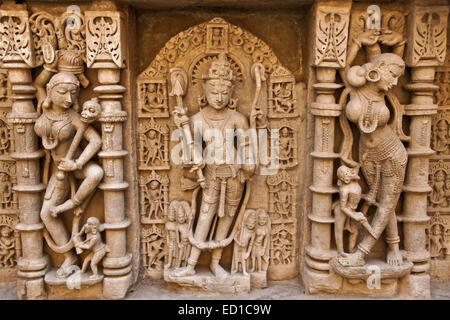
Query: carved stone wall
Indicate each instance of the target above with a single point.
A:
(341, 109)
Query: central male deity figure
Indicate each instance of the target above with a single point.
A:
(223, 183)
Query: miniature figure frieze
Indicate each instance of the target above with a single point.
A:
(6, 137)
(154, 200)
(153, 248)
(8, 197)
(439, 197)
(217, 37)
(282, 203)
(282, 94)
(440, 141)
(438, 234)
(153, 99)
(5, 89)
(287, 144)
(282, 246)
(153, 146)
(9, 242)
(442, 79)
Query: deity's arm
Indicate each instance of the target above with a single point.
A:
(244, 142)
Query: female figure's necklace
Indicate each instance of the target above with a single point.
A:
(368, 121)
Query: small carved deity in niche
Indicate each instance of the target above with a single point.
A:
(153, 248)
(222, 184)
(62, 129)
(243, 242)
(5, 190)
(437, 233)
(442, 79)
(260, 251)
(286, 146)
(282, 251)
(282, 197)
(154, 197)
(441, 138)
(7, 246)
(92, 244)
(4, 138)
(281, 94)
(3, 87)
(437, 196)
(184, 224)
(153, 99)
(153, 146)
(171, 236)
(383, 155)
(345, 213)
(216, 38)
(283, 201)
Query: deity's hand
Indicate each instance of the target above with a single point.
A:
(390, 38)
(256, 114)
(369, 38)
(179, 116)
(360, 217)
(248, 170)
(67, 165)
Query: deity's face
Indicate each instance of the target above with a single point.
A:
(389, 75)
(3, 177)
(152, 88)
(284, 186)
(442, 129)
(251, 222)
(63, 95)
(152, 134)
(181, 215)
(5, 232)
(262, 218)
(154, 184)
(440, 176)
(218, 93)
(284, 132)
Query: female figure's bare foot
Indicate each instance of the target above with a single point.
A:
(394, 257)
(355, 259)
(66, 206)
(183, 272)
(68, 266)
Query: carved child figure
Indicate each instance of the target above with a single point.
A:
(7, 250)
(183, 232)
(344, 212)
(243, 242)
(94, 244)
(171, 234)
(260, 250)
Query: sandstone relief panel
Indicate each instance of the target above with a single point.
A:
(220, 94)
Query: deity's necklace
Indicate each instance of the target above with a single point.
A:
(368, 121)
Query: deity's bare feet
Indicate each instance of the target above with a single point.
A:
(183, 272)
(355, 259)
(67, 268)
(68, 205)
(218, 271)
(394, 257)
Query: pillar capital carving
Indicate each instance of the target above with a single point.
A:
(427, 37)
(104, 40)
(16, 45)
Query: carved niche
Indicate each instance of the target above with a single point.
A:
(173, 82)
(438, 236)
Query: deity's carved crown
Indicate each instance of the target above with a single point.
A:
(220, 69)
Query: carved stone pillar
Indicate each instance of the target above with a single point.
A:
(18, 57)
(427, 28)
(104, 27)
(330, 55)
